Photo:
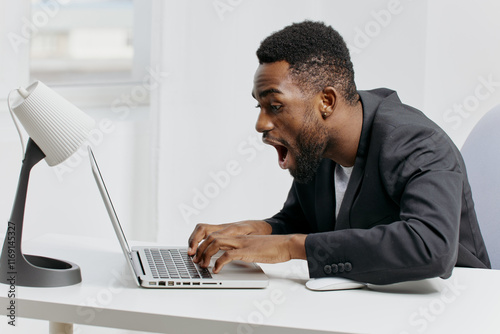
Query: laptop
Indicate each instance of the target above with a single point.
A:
(172, 267)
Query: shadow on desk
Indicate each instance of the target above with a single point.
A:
(423, 287)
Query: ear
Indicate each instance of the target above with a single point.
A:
(328, 101)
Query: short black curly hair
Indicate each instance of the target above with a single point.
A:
(317, 54)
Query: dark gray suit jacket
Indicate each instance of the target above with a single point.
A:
(407, 212)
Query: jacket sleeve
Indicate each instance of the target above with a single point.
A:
(291, 218)
(420, 171)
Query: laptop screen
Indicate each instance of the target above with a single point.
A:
(109, 205)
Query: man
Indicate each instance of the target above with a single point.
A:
(380, 193)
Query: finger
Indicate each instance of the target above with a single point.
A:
(228, 256)
(196, 236)
(203, 230)
(199, 257)
(200, 232)
(216, 244)
(203, 246)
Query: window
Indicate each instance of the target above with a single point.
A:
(97, 47)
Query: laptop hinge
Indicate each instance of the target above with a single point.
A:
(136, 261)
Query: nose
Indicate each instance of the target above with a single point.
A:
(264, 123)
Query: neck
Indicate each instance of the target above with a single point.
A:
(345, 129)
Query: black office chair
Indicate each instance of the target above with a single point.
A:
(481, 153)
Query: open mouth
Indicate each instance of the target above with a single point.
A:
(282, 155)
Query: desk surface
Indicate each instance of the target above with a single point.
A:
(468, 302)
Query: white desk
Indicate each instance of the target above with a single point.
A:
(469, 302)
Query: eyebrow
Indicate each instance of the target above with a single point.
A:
(266, 92)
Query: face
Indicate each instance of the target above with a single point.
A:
(289, 120)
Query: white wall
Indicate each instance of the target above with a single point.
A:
(14, 53)
(462, 63)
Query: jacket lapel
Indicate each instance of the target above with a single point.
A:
(370, 103)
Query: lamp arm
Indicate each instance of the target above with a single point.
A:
(17, 268)
(32, 156)
(12, 257)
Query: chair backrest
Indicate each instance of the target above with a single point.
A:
(481, 153)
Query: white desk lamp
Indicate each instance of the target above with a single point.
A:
(57, 129)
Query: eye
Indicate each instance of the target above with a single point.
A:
(275, 107)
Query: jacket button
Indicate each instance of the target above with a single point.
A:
(327, 269)
(334, 268)
(341, 267)
(347, 266)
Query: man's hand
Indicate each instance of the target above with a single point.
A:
(251, 248)
(247, 227)
(246, 241)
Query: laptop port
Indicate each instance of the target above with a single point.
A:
(186, 283)
(210, 283)
(177, 283)
(162, 283)
(152, 283)
(170, 283)
(196, 283)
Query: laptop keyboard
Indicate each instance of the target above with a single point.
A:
(174, 263)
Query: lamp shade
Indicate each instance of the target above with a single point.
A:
(57, 126)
